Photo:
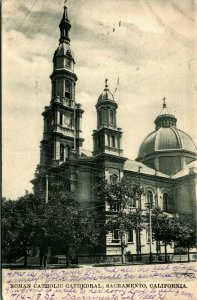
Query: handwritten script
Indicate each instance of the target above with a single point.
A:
(169, 281)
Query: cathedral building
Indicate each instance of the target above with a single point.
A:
(166, 166)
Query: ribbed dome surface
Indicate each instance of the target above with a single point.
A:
(105, 96)
(166, 139)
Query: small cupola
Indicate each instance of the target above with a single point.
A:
(165, 119)
(106, 95)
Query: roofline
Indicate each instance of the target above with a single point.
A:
(165, 151)
(166, 177)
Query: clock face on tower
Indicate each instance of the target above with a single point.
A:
(67, 120)
(68, 62)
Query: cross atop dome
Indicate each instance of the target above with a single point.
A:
(106, 85)
(164, 110)
(164, 102)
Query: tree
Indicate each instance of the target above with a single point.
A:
(137, 223)
(20, 223)
(184, 232)
(66, 223)
(162, 228)
(121, 196)
(172, 229)
(8, 236)
(29, 222)
(121, 223)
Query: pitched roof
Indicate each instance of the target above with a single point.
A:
(132, 165)
(189, 169)
(86, 153)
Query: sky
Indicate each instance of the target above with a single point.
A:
(148, 46)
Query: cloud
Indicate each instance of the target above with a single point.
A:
(150, 49)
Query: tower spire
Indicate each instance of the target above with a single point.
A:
(64, 27)
(62, 119)
(65, 15)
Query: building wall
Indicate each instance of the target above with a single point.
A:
(84, 186)
(157, 185)
(113, 248)
(170, 164)
(185, 194)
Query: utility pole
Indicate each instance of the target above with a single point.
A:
(47, 189)
(157, 199)
(150, 231)
(75, 124)
(139, 246)
(149, 206)
(140, 200)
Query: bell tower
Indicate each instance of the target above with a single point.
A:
(62, 118)
(108, 137)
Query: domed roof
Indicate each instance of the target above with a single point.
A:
(166, 137)
(106, 95)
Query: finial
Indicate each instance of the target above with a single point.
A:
(164, 102)
(106, 85)
(65, 8)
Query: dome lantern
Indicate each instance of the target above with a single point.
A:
(165, 119)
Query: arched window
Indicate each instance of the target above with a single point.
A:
(99, 140)
(130, 236)
(62, 152)
(68, 89)
(113, 178)
(116, 206)
(61, 119)
(132, 202)
(165, 202)
(150, 198)
(66, 152)
(54, 89)
(68, 61)
(118, 143)
(100, 118)
(111, 117)
(113, 141)
(115, 235)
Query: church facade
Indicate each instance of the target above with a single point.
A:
(166, 166)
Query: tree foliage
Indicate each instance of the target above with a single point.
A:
(29, 221)
(66, 223)
(121, 196)
(20, 223)
(122, 192)
(172, 229)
